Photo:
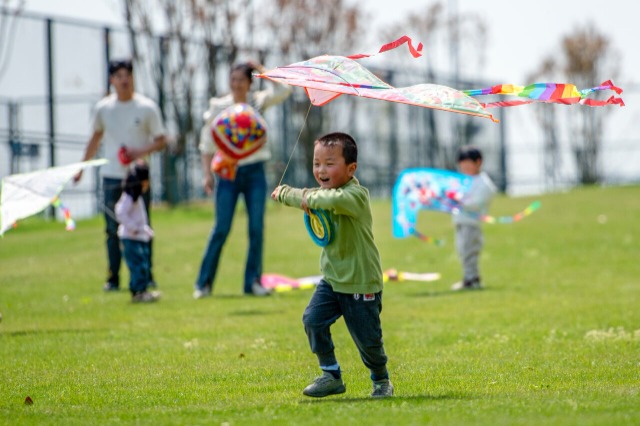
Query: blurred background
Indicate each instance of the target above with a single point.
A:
(53, 57)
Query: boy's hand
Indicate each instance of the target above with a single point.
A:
(304, 206)
(275, 193)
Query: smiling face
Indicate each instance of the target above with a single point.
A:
(329, 166)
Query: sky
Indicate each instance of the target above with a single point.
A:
(520, 32)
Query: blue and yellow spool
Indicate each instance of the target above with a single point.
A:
(319, 227)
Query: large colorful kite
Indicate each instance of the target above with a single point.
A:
(26, 194)
(438, 190)
(327, 77)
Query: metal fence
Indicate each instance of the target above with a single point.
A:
(58, 72)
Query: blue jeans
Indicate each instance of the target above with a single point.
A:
(362, 317)
(251, 182)
(137, 254)
(112, 189)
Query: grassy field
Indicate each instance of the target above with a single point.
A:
(554, 338)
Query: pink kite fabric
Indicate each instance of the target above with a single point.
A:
(325, 78)
(560, 93)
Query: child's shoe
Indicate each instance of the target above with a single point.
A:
(109, 286)
(325, 385)
(258, 290)
(382, 389)
(472, 284)
(203, 292)
(145, 297)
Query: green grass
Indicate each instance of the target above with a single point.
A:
(554, 339)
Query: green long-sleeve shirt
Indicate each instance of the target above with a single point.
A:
(351, 262)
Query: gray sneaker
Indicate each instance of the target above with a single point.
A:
(146, 297)
(382, 389)
(473, 284)
(325, 385)
(258, 290)
(203, 292)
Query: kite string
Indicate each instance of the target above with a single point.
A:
(294, 146)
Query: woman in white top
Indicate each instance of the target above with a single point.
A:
(250, 181)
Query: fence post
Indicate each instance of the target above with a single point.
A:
(107, 57)
(50, 93)
(14, 138)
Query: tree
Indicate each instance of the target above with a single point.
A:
(173, 39)
(302, 29)
(462, 35)
(547, 118)
(224, 25)
(586, 57)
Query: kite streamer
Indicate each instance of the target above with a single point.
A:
(416, 52)
(70, 224)
(560, 93)
(514, 218)
(428, 238)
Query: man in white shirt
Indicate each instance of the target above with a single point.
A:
(129, 126)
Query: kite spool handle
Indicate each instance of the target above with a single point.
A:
(319, 227)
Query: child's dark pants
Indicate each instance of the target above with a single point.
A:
(362, 316)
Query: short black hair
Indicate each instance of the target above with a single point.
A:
(348, 144)
(118, 64)
(137, 173)
(246, 68)
(469, 152)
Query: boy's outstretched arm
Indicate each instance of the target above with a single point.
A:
(292, 197)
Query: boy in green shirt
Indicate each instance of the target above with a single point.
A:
(352, 274)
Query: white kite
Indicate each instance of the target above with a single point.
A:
(26, 194)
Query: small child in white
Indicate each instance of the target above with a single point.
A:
(135, 233)
(474, 203)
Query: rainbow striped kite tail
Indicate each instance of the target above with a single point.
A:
(533, 207)
(70, 224)
(428, 239)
